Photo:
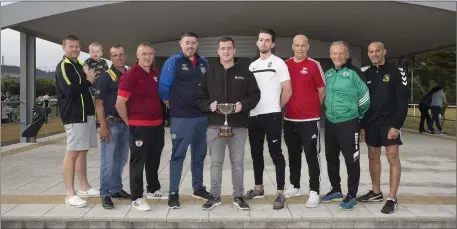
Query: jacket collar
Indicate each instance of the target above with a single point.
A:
(219, 64)
(70, 61)
(345, 65)
(386, 63)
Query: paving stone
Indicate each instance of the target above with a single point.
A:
(359, 212)
(450, 208)
(77, 224)
(165, 225)
(254, 225)
(233, 225)
(98, 224)
(56, 224)
(364, 224)
(428, 224)
(66, 212)
(227, 213)
(11, 224)
(399, 215)
(342, 224)
(158, 213)
(320, 224)
(6, 207)
(429, 213)
(99, 213)
(32, 224)
(300, 212)
(210, 225)
(30, 211)
(298, 224)
(143, 224)
(119, 224)
(188, 213)
(276, 225)
(266, 213)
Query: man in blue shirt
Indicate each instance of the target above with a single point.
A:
(188, 125)
(114, 133)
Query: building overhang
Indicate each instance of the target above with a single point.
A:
(405, 28)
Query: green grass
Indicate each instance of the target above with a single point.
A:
(11, 132)
(450, 113)
(413, 123)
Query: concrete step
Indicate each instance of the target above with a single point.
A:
(227, 216)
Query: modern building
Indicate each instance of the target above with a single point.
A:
(405, 27)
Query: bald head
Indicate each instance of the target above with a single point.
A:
(300, 46)
(377, 53)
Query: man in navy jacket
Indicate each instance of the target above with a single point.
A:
(177, 87)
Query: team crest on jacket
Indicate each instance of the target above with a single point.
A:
(156, 79)
(386, 78)
(139, 143)
(203, 69)
(304, 70)
(345, 74)
(269, 64)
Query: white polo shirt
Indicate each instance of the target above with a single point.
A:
(269, 74)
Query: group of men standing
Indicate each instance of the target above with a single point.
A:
(369, 106)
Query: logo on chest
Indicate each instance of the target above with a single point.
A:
(269, 64)
(386, 78)
(184, 67)
(345, 74)
(203, 69)
(239, 77)
(304, 70)
(156, 78)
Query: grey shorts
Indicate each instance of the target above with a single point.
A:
(81, 136)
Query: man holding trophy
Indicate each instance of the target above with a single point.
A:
(228, 91)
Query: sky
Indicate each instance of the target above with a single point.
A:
(48, 54)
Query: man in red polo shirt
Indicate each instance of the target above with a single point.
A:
(143, 114)
(301, 125)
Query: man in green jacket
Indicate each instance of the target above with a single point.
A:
(347, 100)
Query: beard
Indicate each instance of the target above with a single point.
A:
(265, 50)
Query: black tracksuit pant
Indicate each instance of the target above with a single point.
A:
(146, 145)
(343, 137)
(299, 137)
(271, 126)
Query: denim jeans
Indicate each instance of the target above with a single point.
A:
(114, 156)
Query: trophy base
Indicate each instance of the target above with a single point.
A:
(225, 131)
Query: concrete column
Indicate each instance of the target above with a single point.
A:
(27, 81)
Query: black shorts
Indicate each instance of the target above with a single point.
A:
(376, 136)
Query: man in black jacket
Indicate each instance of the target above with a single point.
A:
(382, 123)
(227, 82)
(77, 111)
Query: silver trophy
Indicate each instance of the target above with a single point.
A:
(225, 109)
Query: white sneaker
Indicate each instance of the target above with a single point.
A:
(75, 201)
(293, 192)
(141, 204)
(92, 192)
(157, 195)
(313, 200)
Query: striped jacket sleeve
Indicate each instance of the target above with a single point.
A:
(166, 78)
(363, 95)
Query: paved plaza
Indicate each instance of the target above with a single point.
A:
(32, 192)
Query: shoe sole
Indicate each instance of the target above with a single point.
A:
(395, 209)
(214, 205)
(332, 200)
(87, 195)
(77, 206)
(198, 197)
(240, 208)
(108, 207)
(312, 206)
(366, 201)
(144, 210)
(288, 197)
(156, 198)
(174, 207)
(278, 208)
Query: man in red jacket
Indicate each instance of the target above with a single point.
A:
(143, 113)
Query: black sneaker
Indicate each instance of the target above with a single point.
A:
(240, 204)
(202, 194)
(390, 207)
(107, 203)
(371, 197)
(121, 195)
(212, 203)
(173, 200)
